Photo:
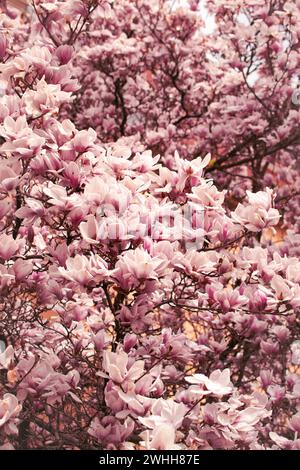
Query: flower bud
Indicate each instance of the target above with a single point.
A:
(266, 377)
(64, 54)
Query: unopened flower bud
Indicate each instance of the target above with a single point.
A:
(64, 54)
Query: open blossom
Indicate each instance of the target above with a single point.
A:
(286, 291)
(111, 228)
(138, 265)
(6, 357)
(281, 441)
(82, 141)
(258, 301)
(165, 418)
(96, 190)
(110, 430)
(162, 438)
(207, 194)
(19, 137)
(85, 270)
(8, 246)
(31, 211)
(9, 409)
(46, 98)
(118, 367)
(44, 381)
(8, 178)
(195, 263)
(165, 412)
(218, 383)
(259, 214)
(227, 299)
(255, 219)
(59, 197)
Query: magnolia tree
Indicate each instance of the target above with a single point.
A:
(142, 304)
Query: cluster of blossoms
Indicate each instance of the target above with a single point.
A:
(142, 304)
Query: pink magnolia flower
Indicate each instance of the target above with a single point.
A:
(259, 213)
(64, 53)
(195, 263)
(96, 190)
(120, 368)
(19, 137)
(286, 290)
(110, 431)
(248, 418)
(59, 197)
(136, 266)
(295, 422)
(210, 413)
(43, 380)
(31, 211)
(295, 348)
(8, 246)
(266, 378)
(136, 315)
(110, 228)
(218, 383)
(9, 180)
(6, 357)
(276, 393)
(22, 269)
(261, 198)
(7, 446)
(145, 162)
(281, 332)
(45, 99)
(85, 270)
(228, 298)
(165, 412)
(3, 46)
(192, 167)
(77, 270)
(5, 207)
(6, 278)
(281, 441)
(9, 409)
(258, 301)
(128, 254)
(138, 405)
(207, 194)
(162, 438)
